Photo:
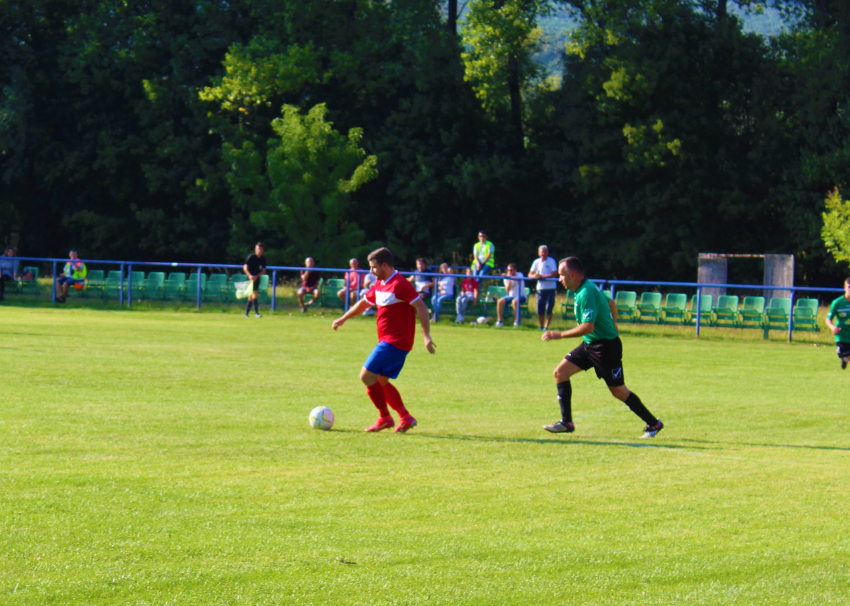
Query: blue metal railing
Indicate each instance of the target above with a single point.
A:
(127, 269)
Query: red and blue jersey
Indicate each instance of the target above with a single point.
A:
(394, 298)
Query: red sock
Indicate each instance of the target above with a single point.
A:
(394, 400)
(379, 398)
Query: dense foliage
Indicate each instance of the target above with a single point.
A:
(187, 130)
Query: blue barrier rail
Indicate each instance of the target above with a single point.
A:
(127, 269)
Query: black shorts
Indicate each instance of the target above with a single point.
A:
(257, 285)
(843, 349)
(606, 357)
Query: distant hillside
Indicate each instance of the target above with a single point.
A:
(557, 26)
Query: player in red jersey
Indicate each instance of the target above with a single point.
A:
(398, 306)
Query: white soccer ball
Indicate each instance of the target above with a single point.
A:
(321, 417)
(482, 320)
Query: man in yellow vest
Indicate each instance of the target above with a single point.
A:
(484, 255)
(75, 272)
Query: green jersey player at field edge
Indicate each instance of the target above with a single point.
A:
(838, 320)
(601, 349)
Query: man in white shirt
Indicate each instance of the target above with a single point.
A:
(544, 267)
(515, 292)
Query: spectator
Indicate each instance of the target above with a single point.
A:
(544, 267)
(255, 266)
(468, 294)
(367, 283)
(353, 282)
(445, 290)
(515, 292)
(423, 284)
(309, 284)
(8, 270)
(74, 273)
(484, 254)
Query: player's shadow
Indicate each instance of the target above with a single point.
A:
(558, 442)
(762, 445)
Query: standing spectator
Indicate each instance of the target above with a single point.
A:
(544, 267)
(353, 279)
(838, 321)
(423, 284)
(74, 273)
(515, 294)
(484, 253)
(255, 266)
(445, 290)
(309, 284)
(8, 270)
(468, 294)
(367, 283)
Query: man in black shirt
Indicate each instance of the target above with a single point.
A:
(255, 266)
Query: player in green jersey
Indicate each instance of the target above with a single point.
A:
(838, 320)
(601, 349)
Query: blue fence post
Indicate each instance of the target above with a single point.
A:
(347, 292)
(54, 284)
(199, 287)
(791, 318)
(699, 307)
(130, 285)
(121, 287)
(614, 292)
(520, 293)
(274, 289)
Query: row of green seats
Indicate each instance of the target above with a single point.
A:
(176, 287)
(25, 287)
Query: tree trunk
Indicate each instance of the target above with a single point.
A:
(517, 135)
(451, 21)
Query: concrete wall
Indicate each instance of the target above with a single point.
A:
(713, 270)
(778, 271)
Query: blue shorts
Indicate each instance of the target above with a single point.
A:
(69, 281)
(509, 300)
(386, 360)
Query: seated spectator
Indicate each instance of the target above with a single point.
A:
(515, 292)
(8, 270)
(483, 252)
(353, 282)
(309, 284)
(468, 294)
(74, 273)
(423, 284)
(367, 283)
(445, 290)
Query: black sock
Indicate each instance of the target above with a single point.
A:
(248, 307)
(256, 307)
(565, 399)
(633, 402)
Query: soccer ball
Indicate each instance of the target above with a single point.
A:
(482, 320)
(321, 417)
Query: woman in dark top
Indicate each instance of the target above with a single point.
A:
(255, 266)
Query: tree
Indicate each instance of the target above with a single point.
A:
(311, 170)
(836, 226)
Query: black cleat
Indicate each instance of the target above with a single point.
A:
(843, 363)
(650, 431)
(560, 427)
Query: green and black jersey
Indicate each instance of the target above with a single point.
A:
(839, 314)
(592, 306)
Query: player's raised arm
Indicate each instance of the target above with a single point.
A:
(422, 313)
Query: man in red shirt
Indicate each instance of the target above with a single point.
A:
(398, 306)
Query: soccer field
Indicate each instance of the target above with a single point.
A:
(165, 458)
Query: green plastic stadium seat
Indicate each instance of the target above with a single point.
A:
(494, 293)
(29, 287)
(328, 297)
(191, 292)
(175, 287)
(137, 285)
(95, 283)
(777, 314)
(752, 312)
(626, 306)
(675, 309)
(216, 288)
(264, 289)
(154, 286)
(112, 285)
(806, 315)
(726, 312)
(706, 305)
(649, 308)
(569, 306)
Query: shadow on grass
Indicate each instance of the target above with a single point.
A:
(792, 446)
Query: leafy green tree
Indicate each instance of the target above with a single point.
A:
(836, 226)
(311, 172)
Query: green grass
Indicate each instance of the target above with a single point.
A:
(165, 458)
